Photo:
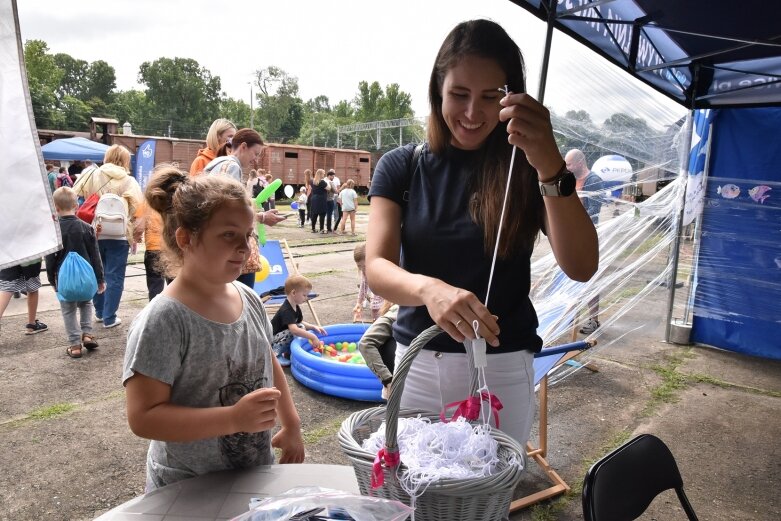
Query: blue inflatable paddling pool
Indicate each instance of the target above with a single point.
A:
(351, 381)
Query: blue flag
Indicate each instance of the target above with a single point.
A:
(145, 162)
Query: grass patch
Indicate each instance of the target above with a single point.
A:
(707, 379)
(672, 381)
(552, 510)
(644, 247)
(50, 412)
(320, 432)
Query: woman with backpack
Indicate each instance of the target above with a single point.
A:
(115, 212)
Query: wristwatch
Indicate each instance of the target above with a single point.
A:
(560, 186)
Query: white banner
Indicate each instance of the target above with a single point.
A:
(27, 219)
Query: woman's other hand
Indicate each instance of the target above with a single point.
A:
(454, 310)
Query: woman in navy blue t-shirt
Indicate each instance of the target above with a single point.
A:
(433, 225)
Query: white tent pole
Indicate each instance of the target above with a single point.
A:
(678, 227)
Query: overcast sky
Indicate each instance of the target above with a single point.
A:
(329, 46)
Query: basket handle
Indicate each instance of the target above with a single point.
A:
(400, 375)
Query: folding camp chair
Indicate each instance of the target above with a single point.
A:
(546, 361)
(274, 278)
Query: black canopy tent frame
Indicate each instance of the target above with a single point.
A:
(724, 54)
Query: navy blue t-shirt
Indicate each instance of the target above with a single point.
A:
(439, 239)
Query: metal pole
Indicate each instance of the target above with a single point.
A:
(677, 229)
(546, 52)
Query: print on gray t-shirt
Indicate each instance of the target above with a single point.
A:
(207, 364)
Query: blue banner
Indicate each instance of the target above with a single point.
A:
(273, 271)
(145, 162)
(737, 304)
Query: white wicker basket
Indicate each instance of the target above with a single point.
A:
(487, 498)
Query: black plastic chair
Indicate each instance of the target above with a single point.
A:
(621, 485)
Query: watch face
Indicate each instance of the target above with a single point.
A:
(567, 184)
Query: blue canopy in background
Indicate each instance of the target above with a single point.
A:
(74, 149)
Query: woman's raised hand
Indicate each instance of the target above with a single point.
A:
(530, 129)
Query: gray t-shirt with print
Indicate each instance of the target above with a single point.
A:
(207, 364)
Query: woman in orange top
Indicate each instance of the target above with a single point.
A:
(220, 132)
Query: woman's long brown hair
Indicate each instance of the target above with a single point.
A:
(523, 219)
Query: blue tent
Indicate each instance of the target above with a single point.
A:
(74, 149)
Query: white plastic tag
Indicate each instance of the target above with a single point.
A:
(479, 349)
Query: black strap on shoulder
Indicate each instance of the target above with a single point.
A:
(413, 166)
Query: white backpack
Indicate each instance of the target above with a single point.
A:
(110, 217)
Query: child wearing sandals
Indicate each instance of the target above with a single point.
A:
(79, 237)
(200, 379)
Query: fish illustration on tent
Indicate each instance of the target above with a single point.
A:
(759, 193)
(728, 191)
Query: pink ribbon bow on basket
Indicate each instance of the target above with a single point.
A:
(390, 458)
(470, 408)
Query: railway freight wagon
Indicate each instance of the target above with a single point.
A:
(288, 162)
(180, 152)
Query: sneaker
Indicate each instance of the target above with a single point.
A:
(98, 319)
(591, 326)
(117, 322)
(35, 327)
(17, 294)
(283, 360)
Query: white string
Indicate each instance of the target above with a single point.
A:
(506, 91)
(434, 451)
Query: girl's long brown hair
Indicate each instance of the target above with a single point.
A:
(524, 216)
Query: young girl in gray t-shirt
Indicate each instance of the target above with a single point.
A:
(199, 375)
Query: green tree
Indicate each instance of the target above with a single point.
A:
(43, 79)
(132, 106)
(369, 102)
(100, 81)
(75, 113)
(396, 103)
(74, 73)
(237, 111)
(280, 108)
(183, 92)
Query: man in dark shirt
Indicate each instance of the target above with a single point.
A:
(589, 186)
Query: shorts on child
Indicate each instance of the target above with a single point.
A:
(280, 345)
(21, 278)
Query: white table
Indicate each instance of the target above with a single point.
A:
(224, 495)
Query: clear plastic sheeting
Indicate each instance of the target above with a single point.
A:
(634, 252)
(739, 262)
